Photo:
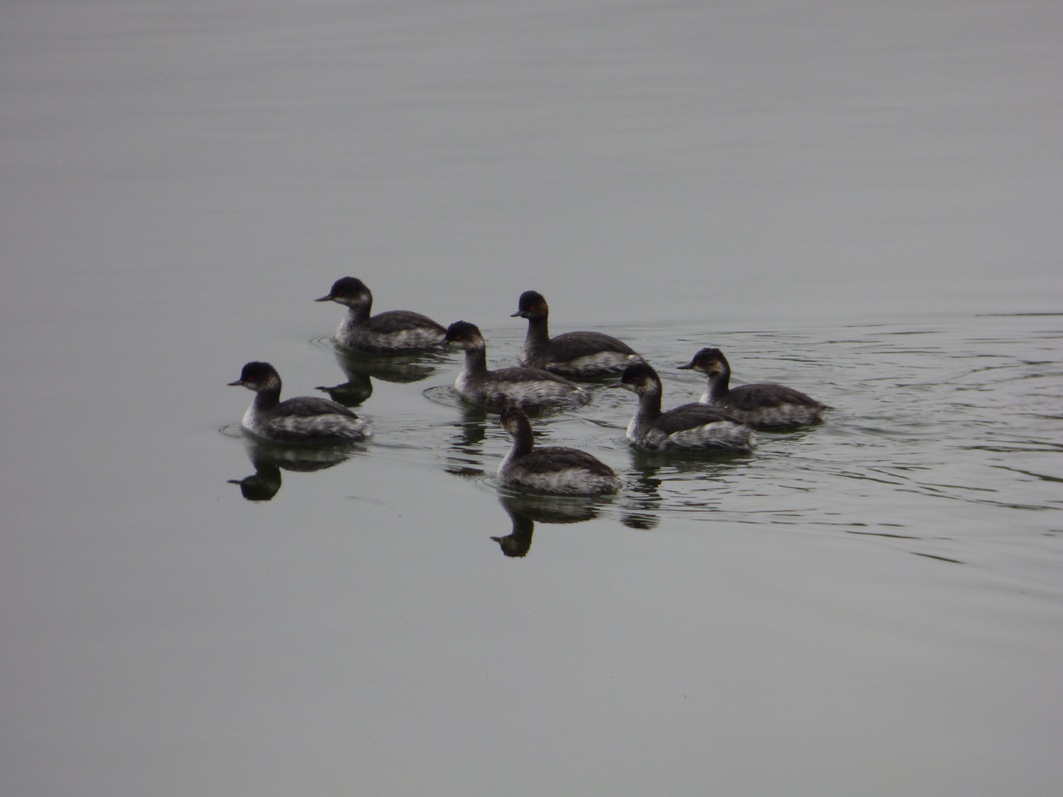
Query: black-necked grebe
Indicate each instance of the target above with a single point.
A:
(393, 332)
(299, 420)
(573, 354)
(766, 406)
(690, 427)
(519, 387)
(554, 469)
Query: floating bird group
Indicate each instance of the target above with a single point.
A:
(724, 418)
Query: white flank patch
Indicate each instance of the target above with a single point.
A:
(574, 481)
(603, 362)
(320, 427)
(720, 434)
(416, 338)
(496, 393)
(782, 415)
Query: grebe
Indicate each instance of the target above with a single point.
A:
(553, 469)
(765, 406)
(573, 354)
(385, 333)
(299, 420)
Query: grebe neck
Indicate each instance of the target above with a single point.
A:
(359, 313)
(476, 360)
(718, 384)
(523, 440)
(538, 330)
(269, 397)
(650, 403)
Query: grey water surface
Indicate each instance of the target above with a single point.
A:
(861, 202)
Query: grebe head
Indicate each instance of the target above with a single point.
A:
(513, 419)
(531, 305)
(348, 291)
(640, 378)
(708, 361)
(257, 377)
(463, 335)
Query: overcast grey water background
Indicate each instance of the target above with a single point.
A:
(861, 202)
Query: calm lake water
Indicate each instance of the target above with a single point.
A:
(863, 204)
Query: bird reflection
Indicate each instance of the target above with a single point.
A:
(268, 460)
(652, 470)
(466, 457)
(517, 543)
(641, 519)
(644, 497)
(711, 462)
(526, 508)
(261, 485)
(361, 368)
